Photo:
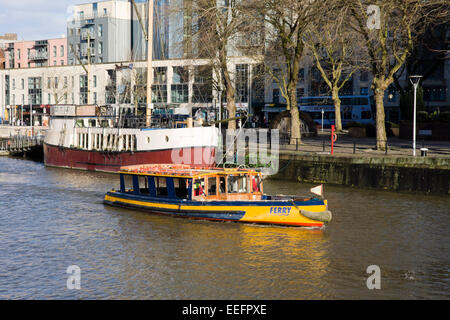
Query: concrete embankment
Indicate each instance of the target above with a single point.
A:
(406, 174)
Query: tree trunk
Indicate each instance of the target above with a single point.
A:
(380, 119)
(337, 109)
(231, 98)
(296, 136)
(231, 107)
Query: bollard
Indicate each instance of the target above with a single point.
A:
(333, 138)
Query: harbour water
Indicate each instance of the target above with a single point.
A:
(52, 218)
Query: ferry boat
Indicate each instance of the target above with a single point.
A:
(223, 194)
(85, 137)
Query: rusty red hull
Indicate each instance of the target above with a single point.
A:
(108, 161)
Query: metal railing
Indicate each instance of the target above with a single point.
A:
(355, 146)
(19, 144)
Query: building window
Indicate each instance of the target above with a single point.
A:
(49, 98)
(180, 86)
(300, 93)
(159, 93)
(301, 74)
(95, 81)
(180, 93)
(83, 89)
(364, 91)
(100, 30)
(22, 83)
(62, 51)
(276, 96)
(14, 84)
(438, 93)
(95, 97)
(242, 83)
(35, 90)
(62, 62)
(364, 76)
(105, 11)
(54, 51)
(100, 47)
(202, 86)
(18, 53)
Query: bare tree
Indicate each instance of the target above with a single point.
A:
(334, 48)
(211, 31)
(389, 29)
(288, 21)
(58, 85)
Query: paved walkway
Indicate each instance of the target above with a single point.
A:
(346, 145)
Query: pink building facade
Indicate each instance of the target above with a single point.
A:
(39, 53)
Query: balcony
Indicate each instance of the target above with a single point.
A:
(88, 18)
(38, 55)
(85, 35)
(84, 52)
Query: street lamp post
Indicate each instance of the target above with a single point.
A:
(415, 82)
(322, 119)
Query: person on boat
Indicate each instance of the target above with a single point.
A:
(255, 185)
(198, 190)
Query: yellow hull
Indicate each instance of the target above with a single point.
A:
(266, 212)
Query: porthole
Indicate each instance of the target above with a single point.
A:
(148, 139)
(167, 138)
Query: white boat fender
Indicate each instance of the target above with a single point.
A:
(324, 216)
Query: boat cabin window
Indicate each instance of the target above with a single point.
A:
(143, 185)
(126, 183)
(222, 184)
(161, 187)
(237, 184)
(181, 188)
(212, 186)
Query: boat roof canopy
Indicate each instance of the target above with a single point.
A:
(182, 171)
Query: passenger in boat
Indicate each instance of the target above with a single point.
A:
(198, 190)
(255, 185)
(222, 185)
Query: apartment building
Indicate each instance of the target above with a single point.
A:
(112, 32)
(36, 53)
(181, 85)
